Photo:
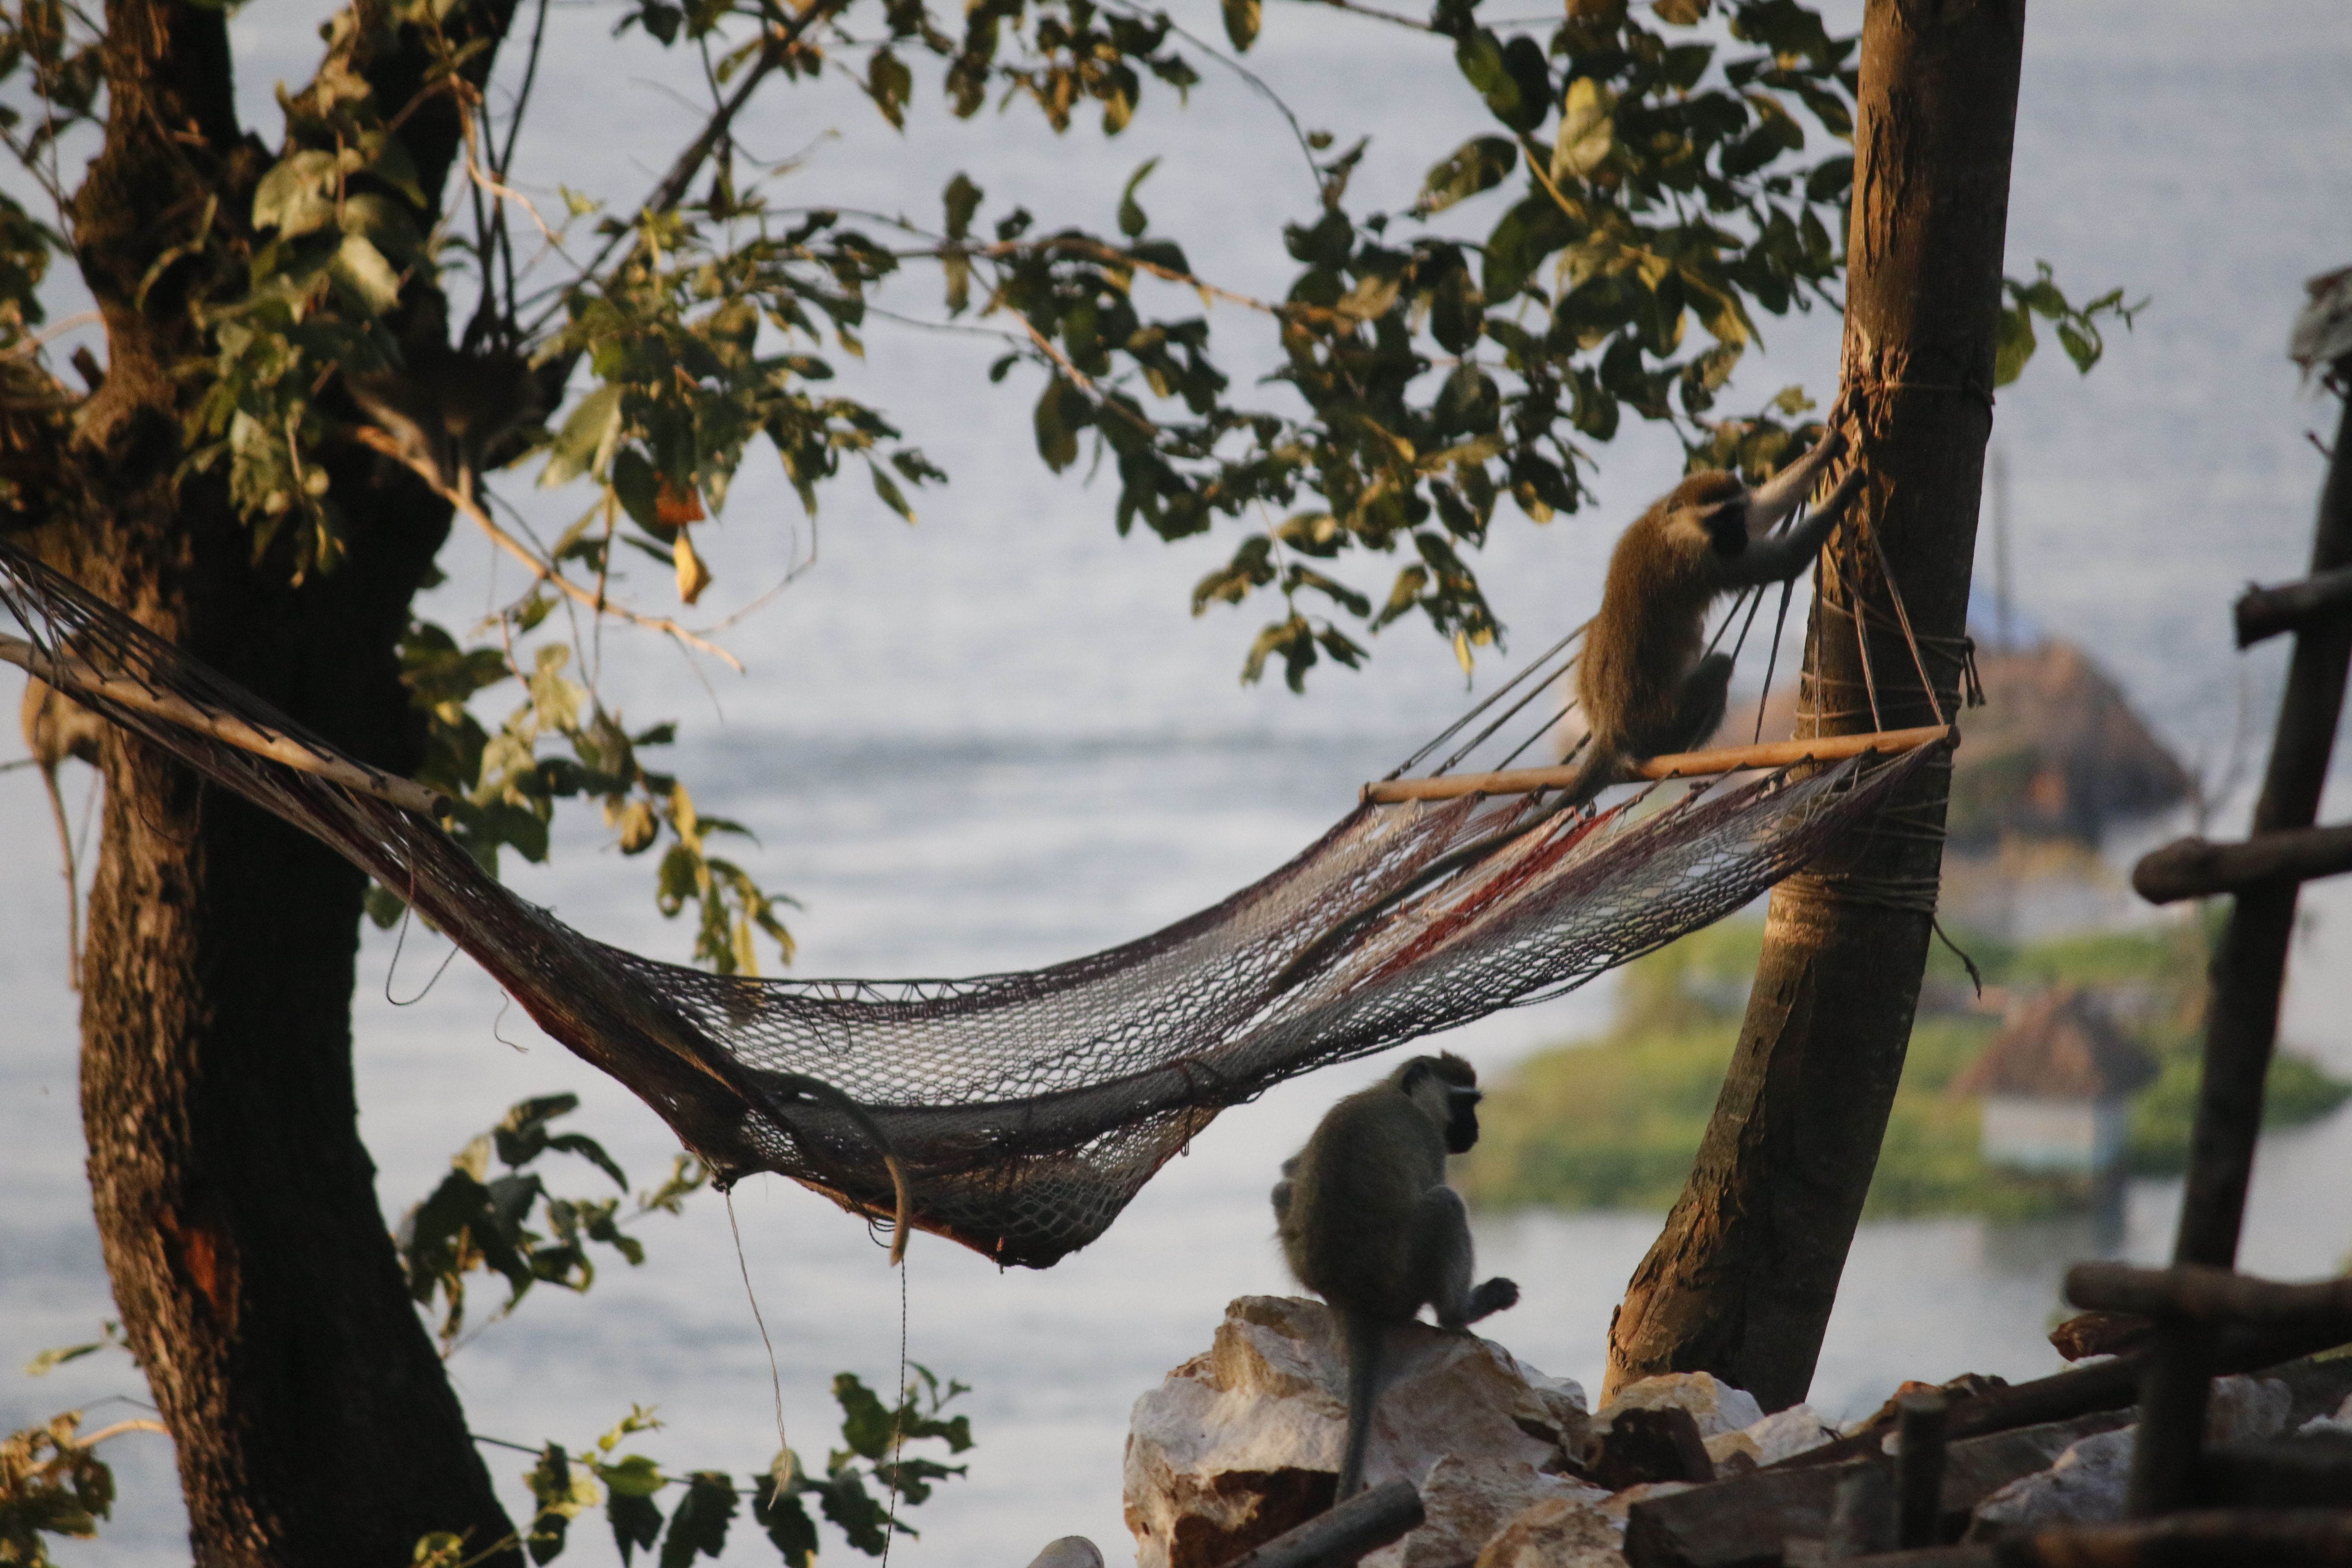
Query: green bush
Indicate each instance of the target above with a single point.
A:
(1615, 1123)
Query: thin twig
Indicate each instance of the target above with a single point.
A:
(371, 437)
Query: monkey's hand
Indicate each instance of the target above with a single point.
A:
(1494, 1295)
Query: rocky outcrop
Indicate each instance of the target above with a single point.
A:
(1242, 1443)
(2087, 1482)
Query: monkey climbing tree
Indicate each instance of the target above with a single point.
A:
(1026, 1110)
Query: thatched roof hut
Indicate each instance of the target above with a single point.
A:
(2059, 1045)
(2055, 753)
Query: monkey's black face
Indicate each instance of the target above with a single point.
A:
(1461, 1119)
(1727, 527)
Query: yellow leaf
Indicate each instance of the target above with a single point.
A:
(693, 576)
(1587, 131)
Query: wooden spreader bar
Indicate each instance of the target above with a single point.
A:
(74, 675)
(1672, 765)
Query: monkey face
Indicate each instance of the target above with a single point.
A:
(1727, 527)
(1461, 1119)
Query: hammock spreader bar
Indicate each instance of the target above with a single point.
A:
(1672, 765)
(1027, 1108)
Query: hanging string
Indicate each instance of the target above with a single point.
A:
(1488, 701)
(1558, 715)
(1918, 662)
(1513, 712)
(1852, 587)
(899, 1427)
(785, 1466)
(1772, 660)
(401, 941)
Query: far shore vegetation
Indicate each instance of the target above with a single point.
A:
(1613, 1122)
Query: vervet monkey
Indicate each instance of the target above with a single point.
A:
(1641, 683)
(58, 727)
(1368, 1224)
(444, 408)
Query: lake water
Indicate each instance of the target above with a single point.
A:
(997, 739)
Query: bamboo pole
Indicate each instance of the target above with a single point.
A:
(1672, 765)
(74, 675)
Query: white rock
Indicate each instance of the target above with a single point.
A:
(1559, 1533)
(1471, 1501)
(1069, 1552)
(2243, 1409)
(2341, 1422)
(1777, 1437)
(2087, 1483)
(1242, 1443)
(1717, 1407)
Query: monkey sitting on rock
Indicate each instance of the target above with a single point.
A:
(1641, 683)
(1368, 1224)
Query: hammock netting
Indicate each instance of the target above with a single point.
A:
(1027, 1108)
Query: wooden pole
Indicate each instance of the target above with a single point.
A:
(1342, 1534)
(2242, 1010)
(2197, 868)
(1921, 1428)
(2264, 613)
(1672, 765)
(2209, 1295)
(74, 676)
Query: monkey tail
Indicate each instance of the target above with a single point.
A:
(1596, 773)
(1366, 1341)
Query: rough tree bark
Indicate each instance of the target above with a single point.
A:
(1742, 1280)
(235, 1204)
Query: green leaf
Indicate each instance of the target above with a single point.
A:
(637, 488)
(1132, 221)
(1514, 77)
(788, 1525)
(1061, 412)
(634, 1520)
(892, 496)
(1528, 233)
(866, 1424)
(962, 199)
(1478, 164)
(700, 1524)
(1240, 22)
(2013, 344)
(888, 83)
(588, 1149)
(292, 196)
(361, 269)
(586, 432)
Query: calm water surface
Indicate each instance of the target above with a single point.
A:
(997, 740)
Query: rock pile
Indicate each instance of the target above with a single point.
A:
(1242, 1443)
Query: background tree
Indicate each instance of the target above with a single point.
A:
(314, 351)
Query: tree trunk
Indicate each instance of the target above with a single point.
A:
(235, 1204)
(1741, 1283)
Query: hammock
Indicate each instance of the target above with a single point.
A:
(1027, 1108)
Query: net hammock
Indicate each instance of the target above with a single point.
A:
(1027, 1108)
